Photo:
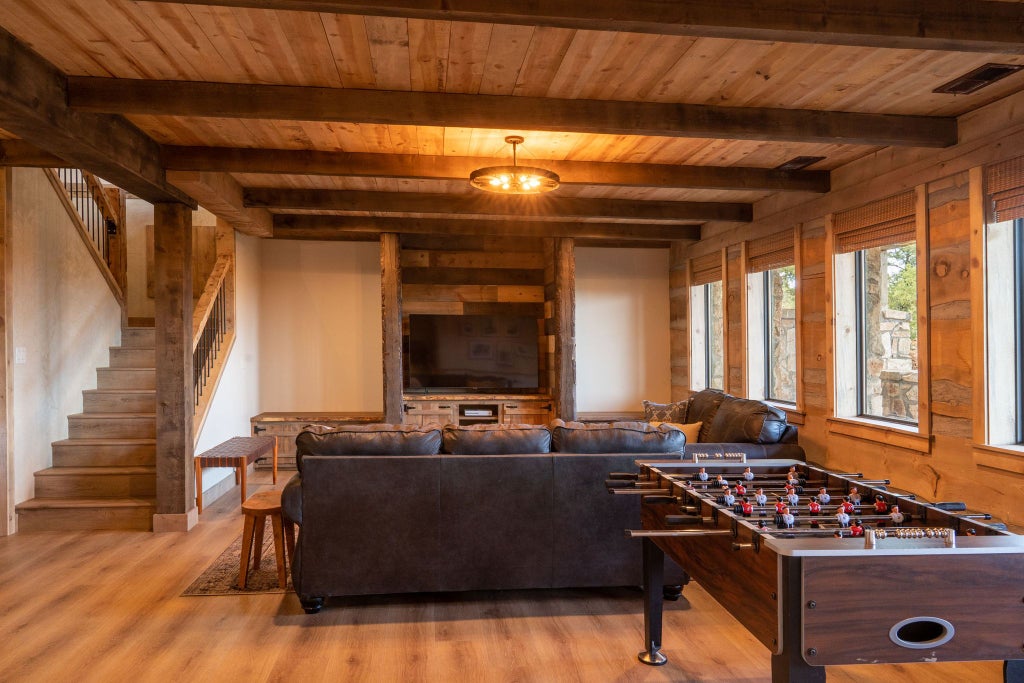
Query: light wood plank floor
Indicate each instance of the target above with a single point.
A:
(106, 606)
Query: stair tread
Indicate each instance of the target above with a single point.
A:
(119, 391)
(111, 416)
(97, 470)
(71, 503)
(108, 440)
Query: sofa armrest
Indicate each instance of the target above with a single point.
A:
(291, 500)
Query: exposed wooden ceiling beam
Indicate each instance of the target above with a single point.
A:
(300, 103)
(958, 25)
(33, 106)
(484, 204)
(294, 226)
(21, 153)
(222, 195)
(310, 162)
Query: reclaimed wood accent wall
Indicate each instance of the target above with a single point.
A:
(477, 276)
(679, 319)
(736, 340)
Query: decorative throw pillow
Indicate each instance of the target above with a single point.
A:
(615, 437)
(691, 430)
(665, 412)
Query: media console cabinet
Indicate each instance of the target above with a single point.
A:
(469, 409)
(286, 426)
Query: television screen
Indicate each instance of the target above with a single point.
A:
(472, 353)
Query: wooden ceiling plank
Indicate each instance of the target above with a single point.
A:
(954, 25)
(296, 226)
(382, 107)
(418, 166)
(33, 107)
(481, 204)
(222, 196)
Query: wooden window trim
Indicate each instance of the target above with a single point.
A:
(878, 431)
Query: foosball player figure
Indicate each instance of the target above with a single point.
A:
(780, 505)
(813, 509)
(843, 518)
(856, 529)
(788, 520)
(761, 499)
(740, 489)
(748, 474)
(847, 506)
(702, 474)
(720, 481)
(881, 508)
(854, 495)
(727, 498)
(746, 507)
(823, 496)
(762, 524)
(792, 498)
(896, 516)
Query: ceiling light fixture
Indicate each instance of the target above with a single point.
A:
(514, 179)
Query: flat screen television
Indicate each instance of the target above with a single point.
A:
(472, 353)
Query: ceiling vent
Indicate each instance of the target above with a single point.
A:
(978, 79)
(798, 163)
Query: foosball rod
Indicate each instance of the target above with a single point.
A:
(675, 533)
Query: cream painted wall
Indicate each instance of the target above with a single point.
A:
(320, 326)
(238, 392)
(622, 328)
(65, 318)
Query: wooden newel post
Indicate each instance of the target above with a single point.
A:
(175, 400)
(391, 309)
(565, 328)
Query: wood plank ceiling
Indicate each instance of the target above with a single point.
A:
(338, 119)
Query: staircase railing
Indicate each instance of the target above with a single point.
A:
(212, 334)
(99, 221)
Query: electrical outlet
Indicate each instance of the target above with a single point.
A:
(20, 355)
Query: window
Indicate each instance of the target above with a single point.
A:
(1004, 303)
(771, 319)
(707, 323)
(875, 306)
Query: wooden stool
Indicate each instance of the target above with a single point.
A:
(239, 453)
(256, 509)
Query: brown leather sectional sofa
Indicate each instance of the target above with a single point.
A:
(467, 508)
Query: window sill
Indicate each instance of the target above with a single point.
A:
(908, 438)
(793, 416)
(1005, 458)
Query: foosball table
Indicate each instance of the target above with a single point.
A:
(862, 574)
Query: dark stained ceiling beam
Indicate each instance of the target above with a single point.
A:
(301, 103)
(221, 194)
(309, 162)
(484, 204)
(955, 25)
(296, 226)
(33, 106)
(21, 153)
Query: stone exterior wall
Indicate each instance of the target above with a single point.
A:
(891, 354)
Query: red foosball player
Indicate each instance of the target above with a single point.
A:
(748, 474)
(896, 516)
(814, 507)
(881, 507)
(847, 506)
(856, 529)
(823, 496)
(740, 489)
(746, 508)
(780, 505)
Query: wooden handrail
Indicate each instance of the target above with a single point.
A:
(100, 197)
(204, 307)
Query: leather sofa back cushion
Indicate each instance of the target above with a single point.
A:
(373, 439)
(703, 406)
(496, 439)
(615, 437)
(743, 420)
(665, 412)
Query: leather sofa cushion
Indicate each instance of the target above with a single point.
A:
(703, 406)
(665, 412)
(615, 437)
(372, 439)
(744, 420)
(291, 499)
(496, 439)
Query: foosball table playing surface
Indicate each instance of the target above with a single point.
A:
(862, 574)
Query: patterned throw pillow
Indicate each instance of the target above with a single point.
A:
(665, 412)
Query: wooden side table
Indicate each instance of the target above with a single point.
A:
(238, 453)
(255, 511)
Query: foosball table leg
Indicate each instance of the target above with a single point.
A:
(654, 575)
(789, 665)
(1013, 671)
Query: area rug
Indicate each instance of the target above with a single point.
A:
(221, 577)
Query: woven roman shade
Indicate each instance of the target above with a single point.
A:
(884, 223)
(1004, 188)
(706, 269)
(770, 252)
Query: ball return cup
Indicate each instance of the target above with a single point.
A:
(953, 584)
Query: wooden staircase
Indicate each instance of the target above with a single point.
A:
(104, 473)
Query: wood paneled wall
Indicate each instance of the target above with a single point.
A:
(944, 463)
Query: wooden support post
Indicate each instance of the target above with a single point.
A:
(565, 328)
(172, 261)
(6, 454)
(391, 308)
